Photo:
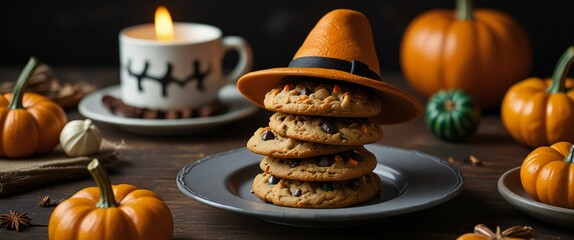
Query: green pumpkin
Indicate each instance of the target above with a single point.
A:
(452, 115)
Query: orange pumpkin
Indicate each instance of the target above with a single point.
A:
(538, 112)
(547, 174)
(29, 123)
(482, 52)
(111, 212)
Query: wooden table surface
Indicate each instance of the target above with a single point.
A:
(153, 162)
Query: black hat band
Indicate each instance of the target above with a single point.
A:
(354, 67)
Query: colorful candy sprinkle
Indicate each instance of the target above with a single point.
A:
(327, 186)
(364, 128)
(336, 89)
(353, 162)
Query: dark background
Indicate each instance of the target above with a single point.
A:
(85, 33)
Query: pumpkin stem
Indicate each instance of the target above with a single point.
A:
(561, 72)
(570, 157)
(449, 105)
(20, 86)
(102, 179)
(464, 10)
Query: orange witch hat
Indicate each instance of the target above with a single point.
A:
(340, 47)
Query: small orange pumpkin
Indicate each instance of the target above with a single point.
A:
(538, 112)
(482, 52)
(547, 175)
(111, 212)
(30, 123)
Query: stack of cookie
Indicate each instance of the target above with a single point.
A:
(313, 150)
(328, 103)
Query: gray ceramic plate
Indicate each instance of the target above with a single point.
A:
(91, 107)
(411, 181)
(510, 187)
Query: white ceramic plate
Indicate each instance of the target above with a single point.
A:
(411, 181)
(92, 107)
(510, 187)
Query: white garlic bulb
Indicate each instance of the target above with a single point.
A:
(80, 138)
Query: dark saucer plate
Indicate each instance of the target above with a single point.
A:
(92, 107)
(510, 187)
(411, 180)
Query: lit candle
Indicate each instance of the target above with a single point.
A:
(163, 25)
(171, 65)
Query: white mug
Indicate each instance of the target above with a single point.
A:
(185, 72)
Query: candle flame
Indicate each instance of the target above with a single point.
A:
(163, 24)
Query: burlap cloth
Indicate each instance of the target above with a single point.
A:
(23, 174)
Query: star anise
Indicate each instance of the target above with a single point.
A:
(523, 232)
(14, 220)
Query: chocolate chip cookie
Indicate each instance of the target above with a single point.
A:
(265, 142)
(336, 194)
(322, 99)
(327, 130)
(335, 167)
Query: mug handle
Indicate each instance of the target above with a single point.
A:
(245, 61)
